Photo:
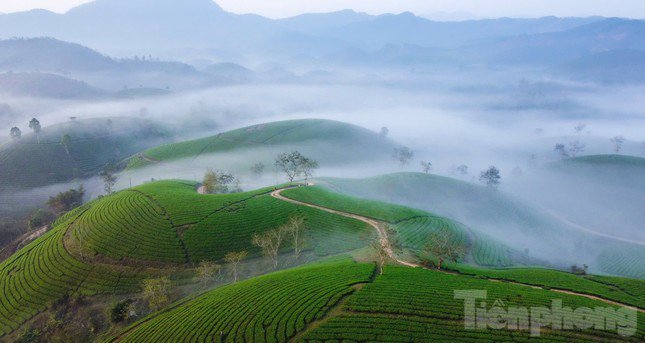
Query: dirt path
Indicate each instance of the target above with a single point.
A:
(380, 230)
(382, 233)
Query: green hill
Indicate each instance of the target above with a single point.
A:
(338, 301)
(512, 221)
(616, 170)
(325, 140)
(26, 163)
(110, 244)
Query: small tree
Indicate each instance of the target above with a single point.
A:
(562, 150)
(576, 148)
(157, 292)
(384, 132)
(308, 168)
(121, 311)
(15, 133)
(205, 271)
(219, 182)
(618, 143)
(461, 169)
(296, 228)
(66, 142)
(443, 246)
(579, 128)
(234, 259)
(34, 124)
(490, 176)
(291, 164)
(426, 166)
(269, 242)
(66, 201)
(108, 175)
(403, 155)
(211, 181)
(258, 169)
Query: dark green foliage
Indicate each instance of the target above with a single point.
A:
(66, 201)
(121, 311)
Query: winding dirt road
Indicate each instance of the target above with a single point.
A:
(380, 230)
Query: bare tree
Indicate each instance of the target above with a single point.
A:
(403, 155)
(576, 148)
(206, 270)
(461, 169)
(15, 133)
(234, 259)
(308, 168)
(490, 176)
(157, 292)
(443, 246)
(618, 143)
(562, 150)
(109, 177)
(34, 124)
(426, 166)
(270, 242)
(219, 182)
(580, 127)
(296, 228)
(294, 164)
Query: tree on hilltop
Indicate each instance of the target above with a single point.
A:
(490, 176)
(618, 143)
(426, 166)
(15, 133)
(34, 124)
(294, 164)
(403, 155)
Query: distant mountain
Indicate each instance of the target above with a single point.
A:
(560, 47)
(230, 71)
(46, 86)
(406, 28)
(615, 66)
(168, 28)
(50, 55)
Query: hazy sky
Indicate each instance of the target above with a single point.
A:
(457, 8)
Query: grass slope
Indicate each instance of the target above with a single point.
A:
(501, 217)
(169, 221)
(44, 271)
(412, 226)
(271, 308)
(94, 143)
(617, 170)
(334, 141)
(316, 303)
(418, 305)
